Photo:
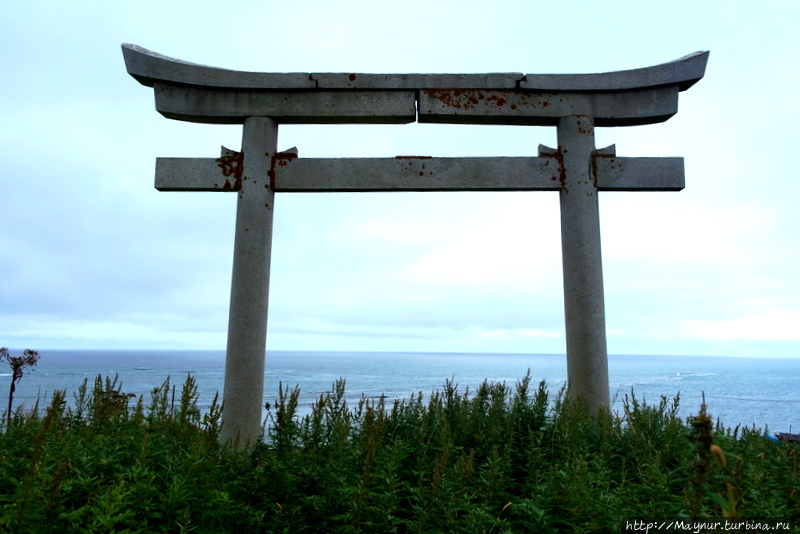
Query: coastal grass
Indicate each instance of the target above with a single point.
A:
(498, 459)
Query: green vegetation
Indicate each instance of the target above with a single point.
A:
(495, 460)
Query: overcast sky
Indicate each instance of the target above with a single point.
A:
(92, 256)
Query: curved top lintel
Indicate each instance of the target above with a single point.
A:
(683, 72)
(148, 67)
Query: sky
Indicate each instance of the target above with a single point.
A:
(93, 257)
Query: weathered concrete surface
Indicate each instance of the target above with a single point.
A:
(194, 104)
(198, 93)
(199, 174)
(457, 106)
(346, 80)
(243, 395)
(683, 72)
(148, 67)
(639, 174)
(418, 173)
(584, 303)
(403, 173)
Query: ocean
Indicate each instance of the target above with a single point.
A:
(738, 391)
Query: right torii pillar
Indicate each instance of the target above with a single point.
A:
(584, 302)
(625, 98)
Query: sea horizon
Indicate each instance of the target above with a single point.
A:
(746, 391)
(269, 350)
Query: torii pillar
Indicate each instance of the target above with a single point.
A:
(574, 103)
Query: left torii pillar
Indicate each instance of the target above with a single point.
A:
(259, 101)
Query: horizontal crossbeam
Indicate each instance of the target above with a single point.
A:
(414, 173)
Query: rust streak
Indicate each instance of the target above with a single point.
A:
(469, 99)
(455, 98)
(231, 168)
(558, 156)
(284, 158)
(281, 159)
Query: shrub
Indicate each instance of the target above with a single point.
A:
(497, 459)
(18, 364)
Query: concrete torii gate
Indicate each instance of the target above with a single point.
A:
(574, 103)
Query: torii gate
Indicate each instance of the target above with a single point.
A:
(574, 103)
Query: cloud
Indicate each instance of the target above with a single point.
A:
(54, 332)
(771, 325)
(91, 254)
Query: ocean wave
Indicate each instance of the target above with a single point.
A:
(751, 400)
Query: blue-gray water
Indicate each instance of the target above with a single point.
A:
(747, 391)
